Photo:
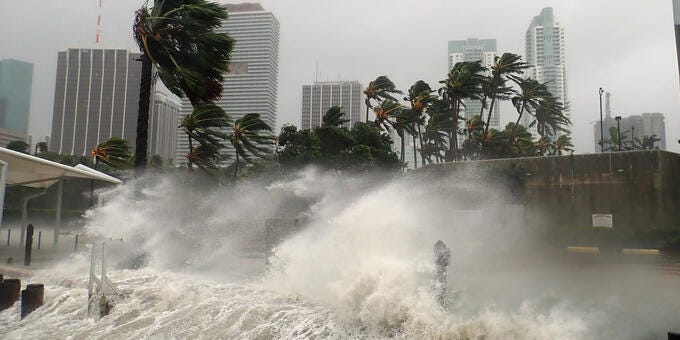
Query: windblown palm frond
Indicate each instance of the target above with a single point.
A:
(114, 152)
(334, 117)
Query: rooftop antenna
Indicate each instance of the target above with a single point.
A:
(99, 22)
(316, 74)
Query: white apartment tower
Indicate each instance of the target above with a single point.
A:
(545, 52)
(252, 82)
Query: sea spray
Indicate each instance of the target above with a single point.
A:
(361, 267)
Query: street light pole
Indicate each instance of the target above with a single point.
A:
(601, 128)
(618, 130)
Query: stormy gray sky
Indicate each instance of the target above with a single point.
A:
(625, 46)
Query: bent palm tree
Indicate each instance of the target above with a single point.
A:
(507, 66)
(380, 89)
(528, 99)
(247, 138)
(205, 125)
(180, 39)
(114, 152)
(334, 117)
(550, 118)
(420, 97)
(463, 82)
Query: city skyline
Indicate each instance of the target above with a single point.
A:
(591, 61)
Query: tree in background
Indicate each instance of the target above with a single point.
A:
(19, 146)
(380, 89)
(205, 125)
(250, 137)
(334, 117)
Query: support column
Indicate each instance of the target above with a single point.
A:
(57, 219)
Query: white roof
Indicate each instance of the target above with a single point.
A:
(35, 172)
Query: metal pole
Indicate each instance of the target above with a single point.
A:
(24, 213)
(90, 284)
(3, 182)
(601, 127)
(618, 132)
(632, 135)
(57, 223)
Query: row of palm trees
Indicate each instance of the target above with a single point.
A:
(181, 41)
(435, 118)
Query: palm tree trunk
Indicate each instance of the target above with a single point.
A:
(236, 166)
(403, 149)
(488, 116)
(415, 147)
(420, 139)
(514, 128)
(143, 116)
(438, 150)
(190, 164)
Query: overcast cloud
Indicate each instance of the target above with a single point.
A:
(625, 46)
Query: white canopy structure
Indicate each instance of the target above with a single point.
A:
(30, 171)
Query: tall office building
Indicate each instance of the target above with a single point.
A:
(320, 96)
(545, 52)
(252, 82)
(473, 49)
(163, 127)
(96, 97)
(16, 79)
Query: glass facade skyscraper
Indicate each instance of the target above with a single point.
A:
(16, 80)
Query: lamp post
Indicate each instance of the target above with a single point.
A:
(601, 128)
(618, 130)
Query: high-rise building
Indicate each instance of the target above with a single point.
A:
(545, 52)
(252, 82)
(163, 127)
(320, 96)
(96, 97)
(473, 49)
(16, 79)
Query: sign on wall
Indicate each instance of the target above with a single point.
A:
(603, 220)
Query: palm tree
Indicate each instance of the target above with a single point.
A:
(380, 89)
(544, 146)
(563, 143)
(402, 122)
(613, 140)
(437, 129)
(246, 137)
(206, 125)
(463, 82)
(114, 152)
(420, 97)
(550, 118)
(384, 113)
(507, 66)
(180, 39)
(334, 117)
(647, 142)
(528, 99)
